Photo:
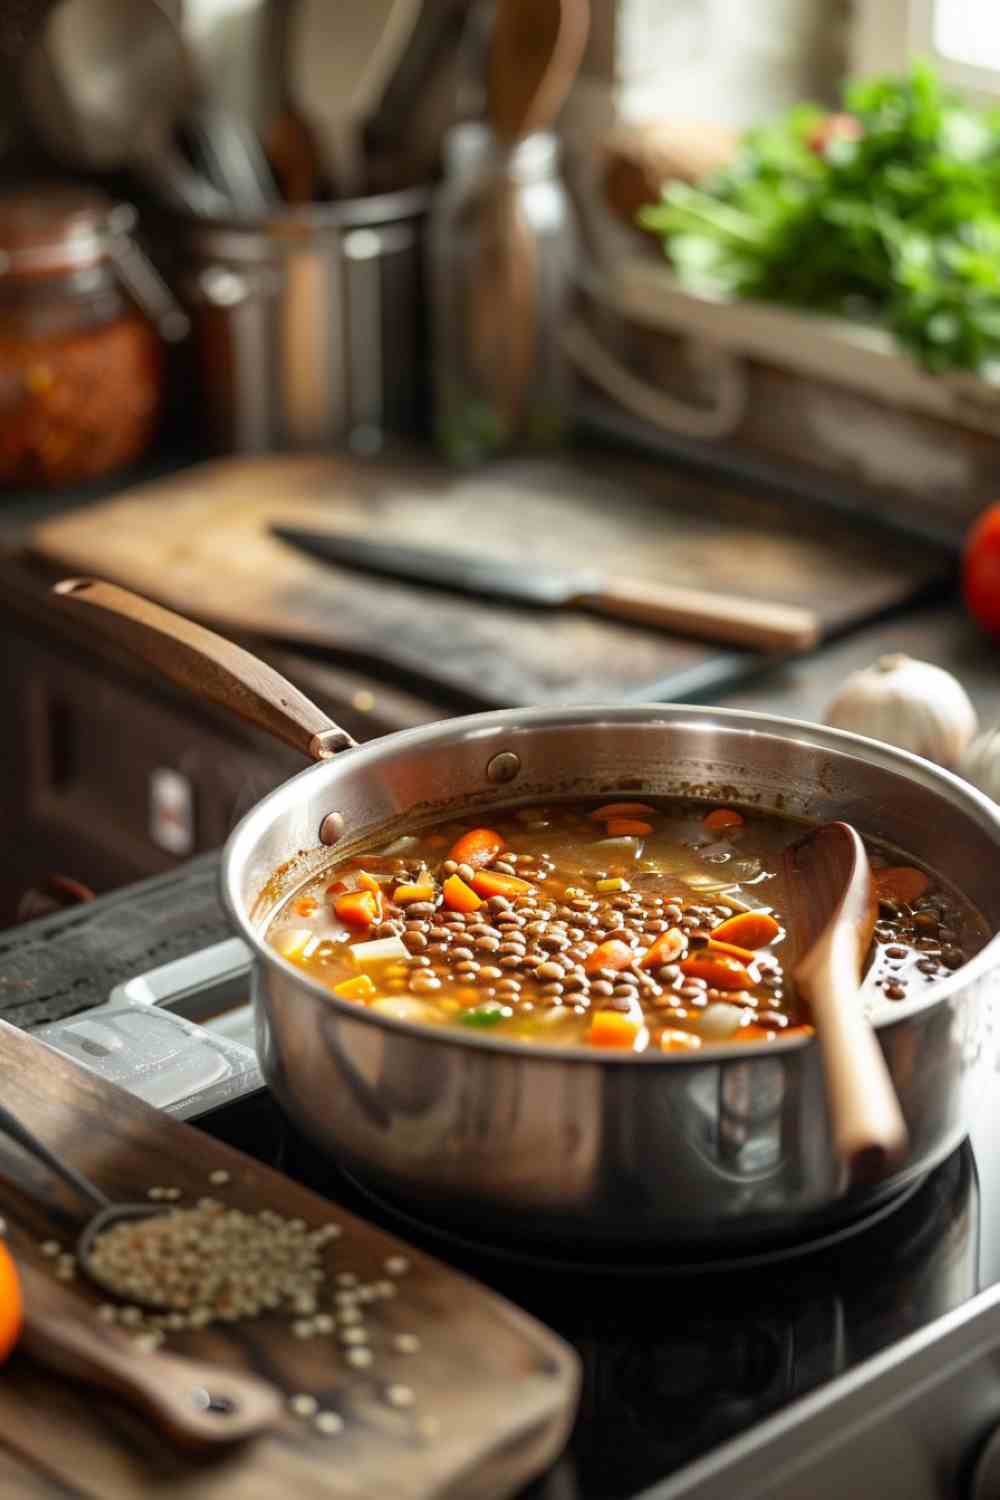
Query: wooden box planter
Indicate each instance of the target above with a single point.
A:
(819, 394)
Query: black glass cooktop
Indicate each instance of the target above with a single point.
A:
(678, 1361)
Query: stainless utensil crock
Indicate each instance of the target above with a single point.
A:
(309, 323)
(724, 1147)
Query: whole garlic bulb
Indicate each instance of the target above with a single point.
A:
(911, 704)
(981, 763)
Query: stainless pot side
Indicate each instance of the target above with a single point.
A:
(730, 1144)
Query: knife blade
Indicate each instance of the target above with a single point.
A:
(754, 624)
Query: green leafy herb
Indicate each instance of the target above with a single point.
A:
(888, 212)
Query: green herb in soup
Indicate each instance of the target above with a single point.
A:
(630, 925)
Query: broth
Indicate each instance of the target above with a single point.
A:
(633, 925)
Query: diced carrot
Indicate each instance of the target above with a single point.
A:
(620, 828)
(368, 882)
(476, 848)
(668, 947)
(358, 908)
(404, 894)
(901, 883)
(748, 929)
(679, 1041)
(609, 1028)
(614, 954)
(493, 883)
(723, 817)
(753, 1034)
(458, 896)
(305, 906)
(720, 972)
(621, 810)
(744, 955)
(361, 987)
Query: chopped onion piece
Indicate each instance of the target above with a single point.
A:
(405, 1008)
(292, 942)
(380, 949)
(718, 1022)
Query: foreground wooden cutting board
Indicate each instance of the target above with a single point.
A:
(495, 1391)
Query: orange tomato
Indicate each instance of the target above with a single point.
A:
(11, 1309)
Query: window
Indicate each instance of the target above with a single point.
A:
(960, 37)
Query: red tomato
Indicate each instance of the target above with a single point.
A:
(981, 570)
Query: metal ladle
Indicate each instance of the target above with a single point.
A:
(107, 82)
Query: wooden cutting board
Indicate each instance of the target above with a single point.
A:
(198, 541)
(495, 1391)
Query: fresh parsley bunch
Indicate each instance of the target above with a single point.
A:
(888, 212)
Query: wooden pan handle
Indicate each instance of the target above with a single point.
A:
(193, 1404)
(206, 664)
(754, 624)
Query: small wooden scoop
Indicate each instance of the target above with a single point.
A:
(193, 1404)
(832, 907)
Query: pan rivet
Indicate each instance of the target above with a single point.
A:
(331, 828)
(503, 767)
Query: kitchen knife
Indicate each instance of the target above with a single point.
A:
(755, 624)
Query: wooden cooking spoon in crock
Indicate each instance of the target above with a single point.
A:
(831, 902)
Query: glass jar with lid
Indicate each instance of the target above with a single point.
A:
(502, 249)
(83, 315)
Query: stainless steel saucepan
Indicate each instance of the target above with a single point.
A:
(730, 1145)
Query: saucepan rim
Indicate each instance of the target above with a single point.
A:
(814, 736)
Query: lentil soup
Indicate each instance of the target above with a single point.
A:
(632, 925)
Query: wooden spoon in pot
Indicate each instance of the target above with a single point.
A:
(832, 908)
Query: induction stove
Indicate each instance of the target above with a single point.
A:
(678, 1360)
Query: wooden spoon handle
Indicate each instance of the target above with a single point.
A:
(192, 1403)
(755, 624)
(869, 1131)
(207, 665)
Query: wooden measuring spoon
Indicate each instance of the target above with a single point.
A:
(194, 1404)
(832, 907)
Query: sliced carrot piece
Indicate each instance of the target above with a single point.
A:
(609, 1028)
(668, 947)
(458, 896)
(744, 955)
(358, 908)
(368, 882)
(901, 883)
(679, 1041)
(305, 906)
(404, 894)
(754, 1034)
(493, 883)
(614, 954)
(748, 929)
(621, 810)
(619, 828)
(719, 971)
(476, 848)
(361, 987)
(723, 817)
(335, 887)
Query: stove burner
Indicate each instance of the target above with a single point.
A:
(698, 1261)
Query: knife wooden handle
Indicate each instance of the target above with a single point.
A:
(754, 624)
